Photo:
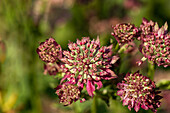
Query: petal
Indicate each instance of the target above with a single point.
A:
(158, 97)
(125, 101)
(69, 82)
(90, 87)
(129, 107)
(114, 59)
(99, 84)
(144, 21)
(65, 77)
(132, 102)
(110, 75)
(78, 41)
(137, 107)
(144, 106)
(80, 84)
(120, 92)
(156, 27)
(58, 87)
(166, 26)
(98, 41)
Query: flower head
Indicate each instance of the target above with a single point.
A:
(147, 27)
(155, 43)
(138, 91)
(88, 63)
(67, 93)
(124, 33)
(49, 51)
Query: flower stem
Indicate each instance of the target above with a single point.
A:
(116, 47)
(94, 105)
(151, 71)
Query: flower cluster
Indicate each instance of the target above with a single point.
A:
(125, 33)
(84, 63)
(50, 52)
(138, 91)
(88, 63)
(155, 43)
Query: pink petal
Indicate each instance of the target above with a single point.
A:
(125, 101)
(120, 92)
(90, 87)
(110, 72)
(80, 84)
(97, 41)
(144, 107)
(137, 107)
(129, 107)
(114, 59)
(144, 21)
(65, 77)
(58, 87)
(69, 82)
(99, 84)
(109, 48)
(132, 102)
(78, 41)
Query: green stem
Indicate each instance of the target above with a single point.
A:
(151, 71)
(122, 49)
(116, 47)
(94, 105)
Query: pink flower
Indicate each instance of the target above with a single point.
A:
(49, 51)
(68, 93)
(139, 91)
(125, 33)
(155, 44)
(88, 63)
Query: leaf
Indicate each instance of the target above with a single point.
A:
(164, 84)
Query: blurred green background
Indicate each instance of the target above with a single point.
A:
(26, 23)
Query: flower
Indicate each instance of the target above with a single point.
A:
(88, 63)
(147, 27)
(155, 44)
(138, 91)
(124, 33)
(67, 93)
(49, 51)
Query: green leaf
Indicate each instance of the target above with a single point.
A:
(164, 84)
